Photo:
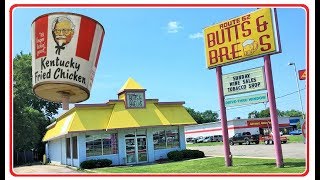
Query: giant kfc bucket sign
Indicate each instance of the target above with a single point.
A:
(65, 54)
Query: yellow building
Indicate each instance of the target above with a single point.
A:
(129, 130)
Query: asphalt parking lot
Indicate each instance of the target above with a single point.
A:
(289, 150)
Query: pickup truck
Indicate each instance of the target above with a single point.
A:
(244, 137)
(269, 139)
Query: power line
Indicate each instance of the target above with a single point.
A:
(290, 93)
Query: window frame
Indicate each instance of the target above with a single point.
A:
(167, 145)
(113, 145)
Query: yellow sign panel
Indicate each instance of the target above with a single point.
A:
(242, 38)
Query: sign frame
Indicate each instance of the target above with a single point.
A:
(263, 87)
(275, 33)
(246, 102)
(135, 102)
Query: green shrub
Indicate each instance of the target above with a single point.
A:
(175, 155)
(192, 154)
(95, 163)
(185, 154)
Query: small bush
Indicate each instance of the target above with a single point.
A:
(175, 155)
(185, 154)
(192, 154)
(95, 163)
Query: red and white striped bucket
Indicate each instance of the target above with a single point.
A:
(65, 54)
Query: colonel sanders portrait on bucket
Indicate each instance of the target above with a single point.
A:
(62, 31)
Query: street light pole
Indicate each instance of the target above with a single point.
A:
(295, 73)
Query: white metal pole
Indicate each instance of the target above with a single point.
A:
(295, 72)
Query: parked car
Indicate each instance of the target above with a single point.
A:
(190, 140)
(244, 137)
(208, 139)
(200, 139)
(296, 132)
(217, 138)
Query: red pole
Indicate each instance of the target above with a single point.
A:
(273, 111)
(223, 115)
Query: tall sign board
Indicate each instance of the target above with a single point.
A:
(239, 39)
(242, 38)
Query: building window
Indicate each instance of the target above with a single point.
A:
(74, 147)
(159, 139)
(109, 144)
(172, 138)
(164, 139)
(68, 148)
(101, 144)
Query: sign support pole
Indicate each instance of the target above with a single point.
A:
(273, 112)
(223, 115)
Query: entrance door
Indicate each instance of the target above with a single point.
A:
(142, 149)
(136, 149)
(130, 150)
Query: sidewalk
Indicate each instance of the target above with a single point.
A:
(41, 169)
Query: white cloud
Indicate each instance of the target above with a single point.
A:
(196, 36)
(173, 27)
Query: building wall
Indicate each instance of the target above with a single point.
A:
(57, 148)
(54, 151)
(82, 147)
(150, 145)
(253, 130)
(206, 129)
(182, 137)
(63, 150)
(234, 126)
(162, 153)
(122, 147)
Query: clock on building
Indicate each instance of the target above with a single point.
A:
(135, 100)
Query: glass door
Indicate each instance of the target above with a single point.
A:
(142, 149)
(136, 147)
(130, 150)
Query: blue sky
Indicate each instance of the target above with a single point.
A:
(163, 50)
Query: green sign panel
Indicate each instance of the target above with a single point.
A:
(252, 99)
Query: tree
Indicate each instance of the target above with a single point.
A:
(254, 114)
(298, 125)
(264, 113)
(26, 134)
(293, 113)
(204, 117)
(209, 116)
(30, 114)
(195, 115)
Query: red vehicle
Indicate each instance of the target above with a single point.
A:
(268, 139)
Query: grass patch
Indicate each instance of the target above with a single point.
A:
(212, 165)
(204, 144)
(295, 138)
